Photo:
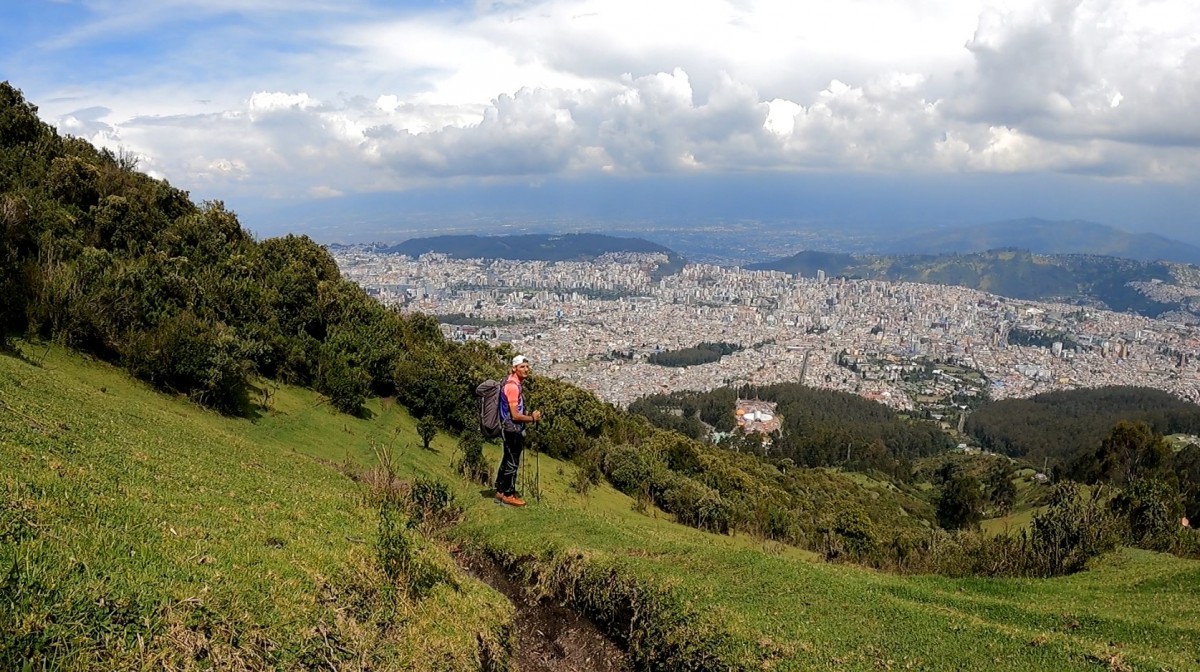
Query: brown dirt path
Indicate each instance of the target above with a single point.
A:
(551, 637)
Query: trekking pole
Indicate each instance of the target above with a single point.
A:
(537, 473)
(524, 480)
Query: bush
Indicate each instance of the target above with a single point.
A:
(961, 503)
(1151, 510)
(776, 521)
(628, 468)
(432, 506)
(473, 465)
(849, 535)
(1071, 532)
(1187, 543)
(588, 472)
(185, 354)
(696, 505)
(345, 384)
(427, 428)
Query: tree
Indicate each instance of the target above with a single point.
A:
(346, 385)
(14, 214)
(1152, 509)
(1131, 450)
(19, 122)
(427, 428)
(473, 465)
(1186, 464)
(961, 503)
(1072, 530)
(1001, 491)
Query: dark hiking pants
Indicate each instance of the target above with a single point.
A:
(506, 477)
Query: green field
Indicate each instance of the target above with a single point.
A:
(141, 532)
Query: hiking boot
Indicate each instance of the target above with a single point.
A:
(510, 500)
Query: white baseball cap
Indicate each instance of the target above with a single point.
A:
(520, 359)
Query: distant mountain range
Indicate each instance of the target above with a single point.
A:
(1045, 237)
(529, 247)
(536, 247)
(1117, 271)
(1123, 285)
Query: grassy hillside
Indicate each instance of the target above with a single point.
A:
(140, 531)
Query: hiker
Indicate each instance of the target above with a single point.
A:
(513, 420)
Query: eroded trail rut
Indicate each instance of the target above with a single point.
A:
(551, 637)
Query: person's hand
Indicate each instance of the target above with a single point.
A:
(537, 416)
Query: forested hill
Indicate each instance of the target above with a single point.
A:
(1070, 278)
(536, 247)
(820, 427)
(1056, 427)
(104, 259)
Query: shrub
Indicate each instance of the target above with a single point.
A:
(1072, 531)
(1187, 543)
(696, 505)
(185, 354)
(1151, 510)
(473, 465)
(345, 384)
(431, 505)
(628, 468)
(427, 428)
(849, 535)
(775, 521)
(588, 471)
(961, 503)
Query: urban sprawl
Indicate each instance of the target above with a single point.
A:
(907, 345)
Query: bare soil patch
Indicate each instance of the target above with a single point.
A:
(551, 637)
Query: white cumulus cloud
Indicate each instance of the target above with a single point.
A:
(371, 98)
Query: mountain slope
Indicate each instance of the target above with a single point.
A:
(1047, 237)
(140, 531)
(241, 541)
(1108, 282)
(536, 247)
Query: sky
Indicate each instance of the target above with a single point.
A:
(351, 115)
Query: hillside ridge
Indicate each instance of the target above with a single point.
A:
(1042, 236)
(1112, 283)
(252, 525)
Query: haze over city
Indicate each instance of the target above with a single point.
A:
(359, 120)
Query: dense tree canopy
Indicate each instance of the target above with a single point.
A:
(704, 353)
(819, 427)
(1056, 426)
(105, 259)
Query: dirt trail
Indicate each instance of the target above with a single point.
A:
(551, 637)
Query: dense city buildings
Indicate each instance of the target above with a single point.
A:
(595, 323)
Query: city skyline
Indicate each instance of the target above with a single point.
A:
(594, 323)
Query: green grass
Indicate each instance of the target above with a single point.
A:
(1013, 523)
(146, 501)
(1024, 509)
(141, 532)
